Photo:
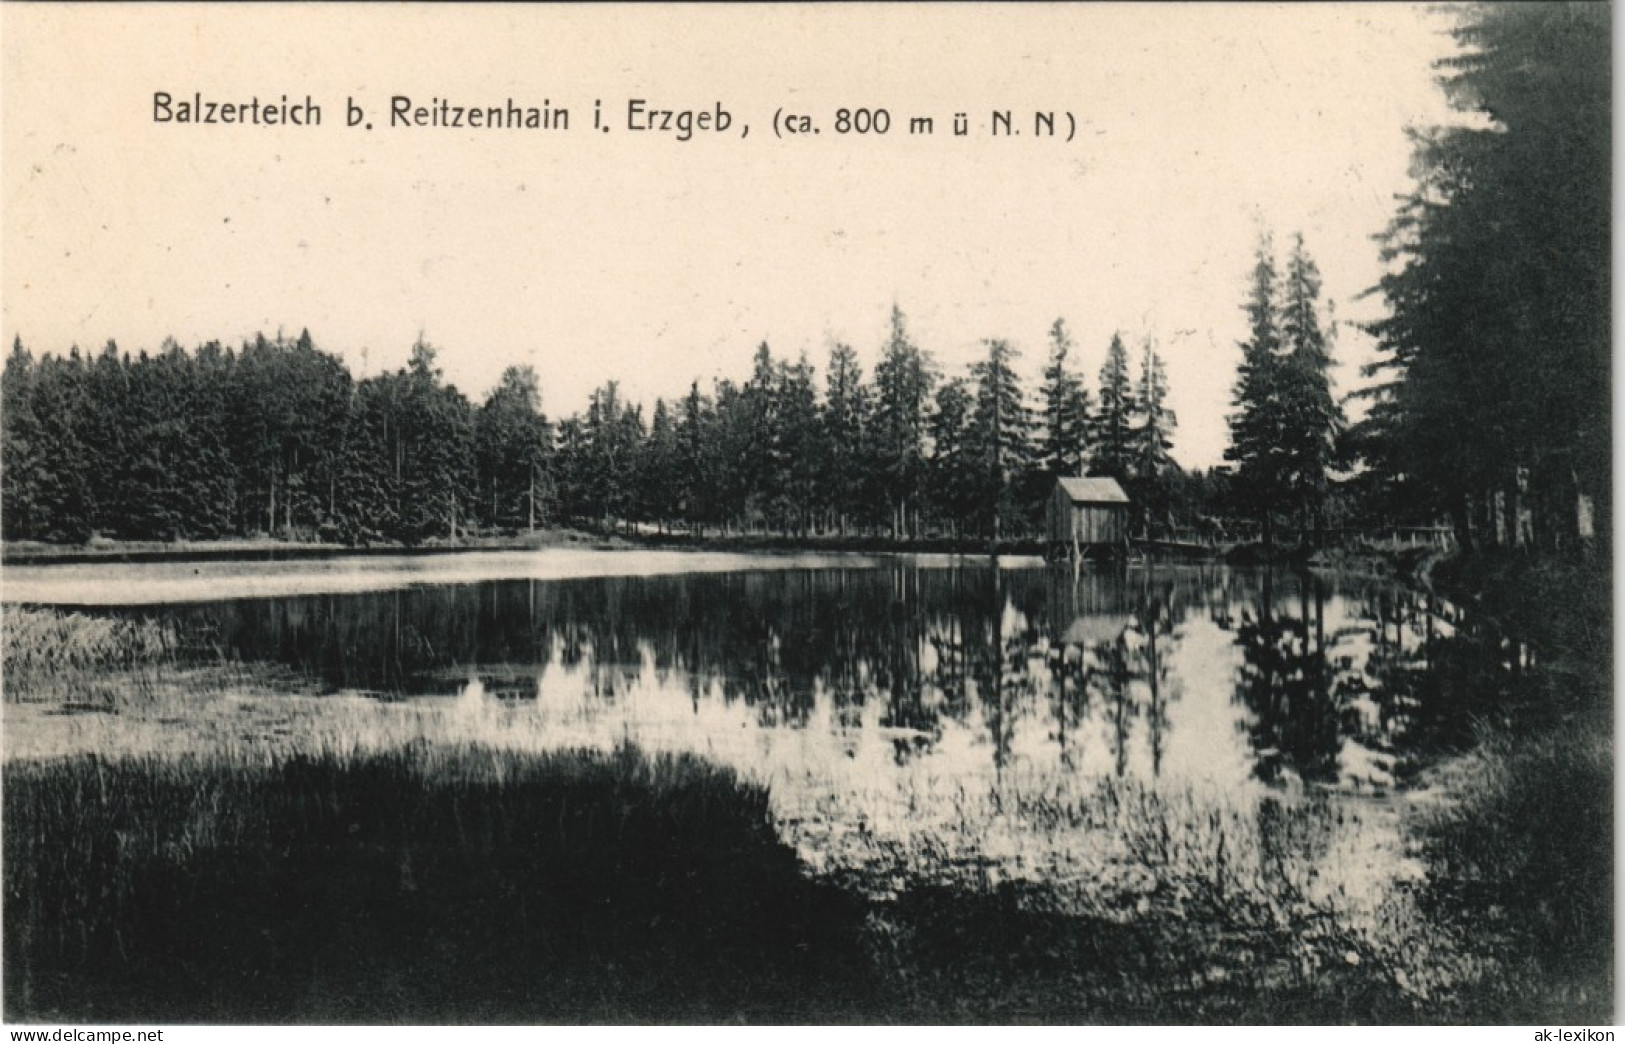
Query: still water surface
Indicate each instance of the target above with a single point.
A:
(888, 692)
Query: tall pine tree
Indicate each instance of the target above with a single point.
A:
(1153, 435)
(1114, 420)
(1256, 434)
(846, 449)
(1066, 409)
(955, 485)
(1498, 341)
(1311, 420)
(1000, 436)
(512, 442)
(903, 382)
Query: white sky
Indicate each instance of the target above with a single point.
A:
(632, 256)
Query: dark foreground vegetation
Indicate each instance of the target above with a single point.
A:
(464, 884)
(1525, 862)
(441, 883)
(421, 885)
(1526, 854)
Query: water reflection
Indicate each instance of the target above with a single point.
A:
(1330, 678)
(1231, 678)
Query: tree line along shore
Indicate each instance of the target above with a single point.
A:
(279, 440)
(1488, 408)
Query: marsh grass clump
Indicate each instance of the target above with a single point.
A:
(1526, 851)
(427, 883)
(1210, 851)
(1113, 900)
(1135, 903)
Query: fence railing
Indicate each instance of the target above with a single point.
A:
(1222, 533)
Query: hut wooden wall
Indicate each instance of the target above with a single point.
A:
(1086, 523)
(1099, 523)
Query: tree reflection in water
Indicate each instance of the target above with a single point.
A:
(1229, 676)
(1284, 682)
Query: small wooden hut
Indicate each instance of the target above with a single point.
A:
(1087, 514)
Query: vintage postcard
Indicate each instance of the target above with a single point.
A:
(801, 514)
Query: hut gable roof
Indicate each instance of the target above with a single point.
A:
(1093, 491)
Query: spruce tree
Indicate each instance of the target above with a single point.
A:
(1311, 419)
(23, 459)
(656, 496)
(1497, 344)
(954, 485)
(367, 476)
(1153, 435)
(1000, 435)
(1066, 409)
(760, 461)
(436, 432)
(845, 442)
(1256, 427)
(512, 442)
(1114, 420)
(903, 382)
(696, 459)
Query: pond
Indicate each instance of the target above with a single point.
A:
(899, 708)
(1227, 677)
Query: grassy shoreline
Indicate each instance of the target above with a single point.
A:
(455, 882)
(268, 549)
(1401, 563)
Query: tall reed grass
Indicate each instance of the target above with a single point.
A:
(90, 660)
(1122, 900)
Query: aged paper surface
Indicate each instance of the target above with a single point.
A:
(672, 204)
(1178, 138)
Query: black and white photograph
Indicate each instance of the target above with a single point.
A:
(806, 514)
